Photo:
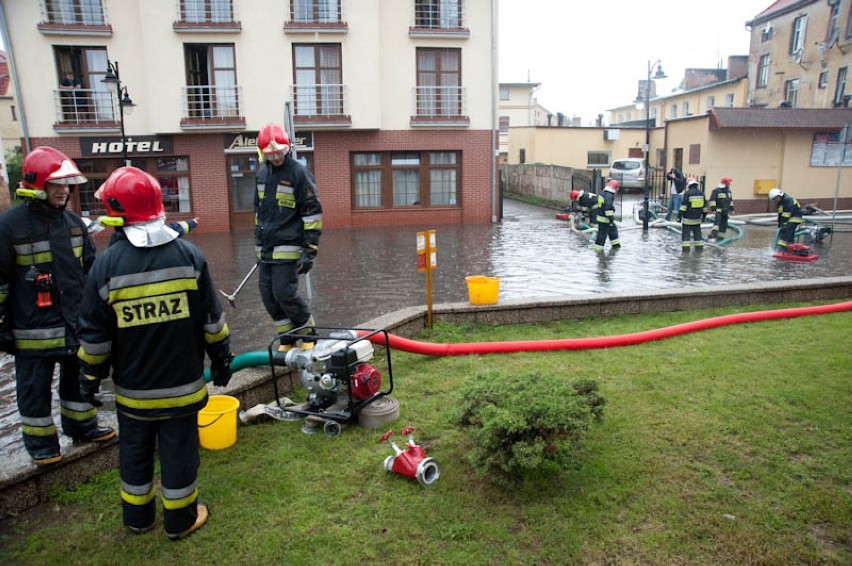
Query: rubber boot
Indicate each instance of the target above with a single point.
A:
(199, 522)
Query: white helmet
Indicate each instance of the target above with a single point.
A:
(776, 192)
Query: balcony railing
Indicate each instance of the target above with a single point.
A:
(316, 11)
(73, 13)
(440, 102)
(214, 14)
(85, 107)
(323, 101)
(210, 105)
(439, 15)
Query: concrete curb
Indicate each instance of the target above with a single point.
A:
(23, 486)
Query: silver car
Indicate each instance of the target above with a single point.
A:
(629, 172)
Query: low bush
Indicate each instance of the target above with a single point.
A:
(526, 424)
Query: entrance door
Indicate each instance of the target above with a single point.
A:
(242, 169)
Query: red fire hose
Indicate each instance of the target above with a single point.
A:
(463, 349)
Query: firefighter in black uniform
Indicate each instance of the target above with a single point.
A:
(288, 217)
(587, 204)
(45, 253)
(789, 218)
(722, 204)
(606, 218)
(149, 313)
(693, 210)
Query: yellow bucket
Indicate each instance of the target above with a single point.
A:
(483, 290)
(217, 422)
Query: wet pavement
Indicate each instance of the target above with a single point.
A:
(363, 273)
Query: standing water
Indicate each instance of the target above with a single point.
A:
(363, 273)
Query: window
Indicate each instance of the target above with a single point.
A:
(791, 92)
(171, 172)
(673, 111)
(597, 159)
(315, 11)
(438, 14)
(93, 102)
(766, 33)
(439, 91)
(242, 169)
(763, 71)
(522, 156)
(797, 37)
(711, 102)
(75, 12)
(849, 23)
(694, 153)
(318, 79)
(504, 124)
(206, 11)
(211, 80)
(504, 93)
(833, 32)
(840, 98)
(729, 100)
(405, 179)
(823, 80)
(686, 108)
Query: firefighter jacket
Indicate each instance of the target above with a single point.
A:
(693, 208)
(789, 211)
(588, 201)
(721, 200)
(288, 213)
(150, 314)
(606, 206)
(45, 254)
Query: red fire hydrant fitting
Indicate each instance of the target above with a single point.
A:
(411, 462)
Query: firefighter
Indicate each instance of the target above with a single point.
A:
(288, 226)
(693, 210)
(45, 254)
(789, 218)
(587, 204)
(149, 313)
(606, 218)
(722, 204)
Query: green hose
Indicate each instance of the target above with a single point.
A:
(246, 360)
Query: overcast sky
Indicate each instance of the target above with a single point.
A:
(590, 55)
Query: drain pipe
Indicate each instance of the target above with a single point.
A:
(14, 72)
(494, 85)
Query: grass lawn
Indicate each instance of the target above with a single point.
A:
(728, 446)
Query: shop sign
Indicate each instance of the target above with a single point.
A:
(247, 141)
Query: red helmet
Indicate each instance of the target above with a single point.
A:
(272, 139)
(612, 183)
(691, 181)
(727, 180)
(574, 195)
(133, 195)
(47, 165)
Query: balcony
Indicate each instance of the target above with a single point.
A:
(206, 16)
(439, 18)
(316, 16)
(210, 107)
(85, 110)
(440, 106)
(324, 105)
(67, 17)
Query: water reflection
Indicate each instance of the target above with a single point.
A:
(367, 272)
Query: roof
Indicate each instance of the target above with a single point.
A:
(780, 118)
(776, 9)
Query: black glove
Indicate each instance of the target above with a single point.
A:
(220, 371)
(306, 260)
(7, 345)
(88, 389)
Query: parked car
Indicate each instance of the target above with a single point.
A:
(629, 172)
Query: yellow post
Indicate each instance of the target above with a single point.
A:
(426, 261)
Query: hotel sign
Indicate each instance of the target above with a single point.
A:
(136, 145)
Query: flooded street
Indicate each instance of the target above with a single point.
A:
(367, 272)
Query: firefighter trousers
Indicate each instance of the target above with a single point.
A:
(176, 440)
(34, 384)
(279, 290)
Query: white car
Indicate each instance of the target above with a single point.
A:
(629, 172)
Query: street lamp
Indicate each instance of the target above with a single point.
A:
(113, 77)
(659, 75)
